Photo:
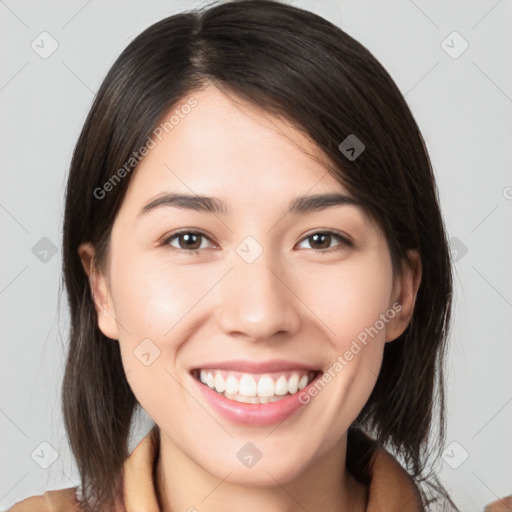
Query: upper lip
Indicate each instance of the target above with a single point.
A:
(276, 365)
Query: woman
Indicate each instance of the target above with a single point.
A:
(254, 254)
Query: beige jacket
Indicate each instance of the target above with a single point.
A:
(391, 488)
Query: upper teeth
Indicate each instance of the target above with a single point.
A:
(248, 385)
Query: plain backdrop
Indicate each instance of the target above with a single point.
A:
(450, 59)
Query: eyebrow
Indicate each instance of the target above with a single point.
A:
(204, 204)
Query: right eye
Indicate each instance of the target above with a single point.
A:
(188, 241)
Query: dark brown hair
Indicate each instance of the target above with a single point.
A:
(296, 65)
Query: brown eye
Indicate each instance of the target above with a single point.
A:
(188, 241)
(321, 241)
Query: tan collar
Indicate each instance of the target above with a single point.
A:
(391, 487)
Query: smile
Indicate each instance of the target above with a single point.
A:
(254, 393)
(253, 388)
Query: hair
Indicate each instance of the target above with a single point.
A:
(300, 67)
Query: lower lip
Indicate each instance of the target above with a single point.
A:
(257, 415)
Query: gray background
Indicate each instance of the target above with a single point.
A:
(463, 105)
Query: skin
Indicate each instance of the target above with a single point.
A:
(293, 303)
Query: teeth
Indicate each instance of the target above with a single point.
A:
(303, 382)
(220, 386)
(265, 387)
(231, 385)
(281, 387)
(248, 386)
(245, 388)
(293, 384)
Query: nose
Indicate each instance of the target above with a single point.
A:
(258, 301)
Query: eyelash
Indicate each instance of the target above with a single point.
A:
(345, 242)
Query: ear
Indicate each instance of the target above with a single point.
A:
(404, 293)
(100, 292)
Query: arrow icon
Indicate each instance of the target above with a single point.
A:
(351, 147)
(249, 455)
(44, 455)
(454, 45)
(147, 352)
(44, 250)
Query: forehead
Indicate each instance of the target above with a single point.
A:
(231, 149)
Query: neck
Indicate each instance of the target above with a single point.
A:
(324, 485)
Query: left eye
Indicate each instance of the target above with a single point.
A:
(324, 239)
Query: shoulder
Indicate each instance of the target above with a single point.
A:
(62, 500)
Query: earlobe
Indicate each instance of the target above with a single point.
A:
(99, 291)
(405, 292)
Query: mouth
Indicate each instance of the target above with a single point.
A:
(255, 388)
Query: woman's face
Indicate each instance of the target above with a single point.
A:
(269, 299)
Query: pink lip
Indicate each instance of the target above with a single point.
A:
(257, 415)
(255, 367)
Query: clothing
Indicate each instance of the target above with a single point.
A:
(390, 489)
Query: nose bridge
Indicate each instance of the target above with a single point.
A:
(256, 300)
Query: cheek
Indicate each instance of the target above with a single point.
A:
(159, 306)
(151, 299)
(351, 298)
(151, 304)
(352, 305)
